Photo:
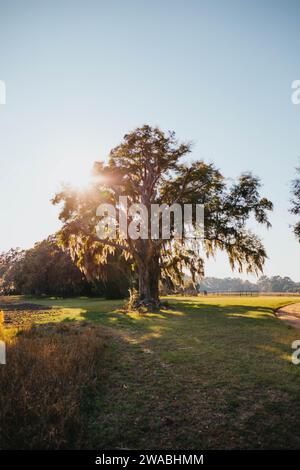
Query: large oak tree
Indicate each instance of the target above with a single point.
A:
(151, 167)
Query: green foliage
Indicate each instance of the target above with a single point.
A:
(10, 262)
(264, 284)
(296, 202)
(277, 284)
(46, 269)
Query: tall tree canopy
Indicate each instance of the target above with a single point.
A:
(46, 269)
(8, 262)
(296, 202)
(149, 167)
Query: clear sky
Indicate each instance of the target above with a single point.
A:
(80, 74)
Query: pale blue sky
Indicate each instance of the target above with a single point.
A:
(79, 74)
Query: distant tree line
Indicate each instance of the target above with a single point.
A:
(264, 284)
(46, 269)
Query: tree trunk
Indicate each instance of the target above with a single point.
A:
(149, 273)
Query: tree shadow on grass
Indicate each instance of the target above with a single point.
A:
(187, 315)
(192, 376)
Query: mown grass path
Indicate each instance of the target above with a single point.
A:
(209, 372)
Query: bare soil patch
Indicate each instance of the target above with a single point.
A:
(19, 314)
(290, 315)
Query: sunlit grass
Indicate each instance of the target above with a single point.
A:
(207, 372)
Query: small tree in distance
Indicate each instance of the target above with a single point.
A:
(296, 202)
(148, 168)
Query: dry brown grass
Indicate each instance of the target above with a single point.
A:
(46, 386)
(1, 324)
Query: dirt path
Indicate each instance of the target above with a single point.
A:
(290, 314)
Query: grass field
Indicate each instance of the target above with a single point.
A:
(207, 373)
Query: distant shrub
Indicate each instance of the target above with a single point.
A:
(46, 386)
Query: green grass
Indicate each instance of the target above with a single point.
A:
(209, 372)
